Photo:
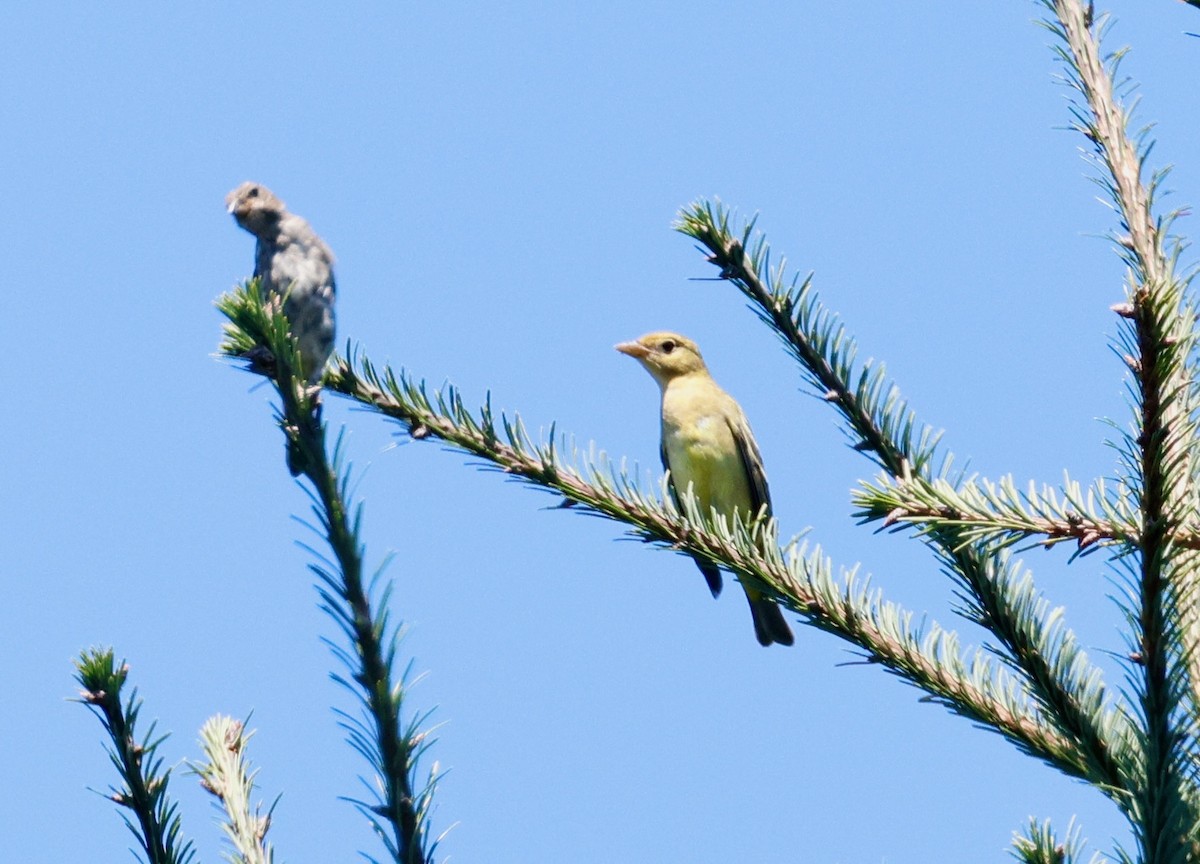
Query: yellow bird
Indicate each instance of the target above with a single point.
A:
(707, 445)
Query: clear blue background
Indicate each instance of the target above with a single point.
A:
(498, 184)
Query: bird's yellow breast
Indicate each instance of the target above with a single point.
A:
(700, 446)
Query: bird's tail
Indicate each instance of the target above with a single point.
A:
(712, 575)
(296, 462)
(769, 624)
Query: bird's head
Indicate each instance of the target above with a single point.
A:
(254, 206)
(666, 356)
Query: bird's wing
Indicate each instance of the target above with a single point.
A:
(760, 495)
(262, 263)
(662, 452)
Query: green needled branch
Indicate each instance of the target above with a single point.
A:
(1040, 845)
(226, 774)
(882, 425)
(1159, 335)
(155, 820)
(1000, 513)
(400, 813)
(974, 685)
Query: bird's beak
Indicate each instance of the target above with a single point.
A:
(635, 350)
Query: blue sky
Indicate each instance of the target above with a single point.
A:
(498, 185)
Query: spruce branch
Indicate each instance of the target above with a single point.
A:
(1159, 334)
(143, 791)
(998, 512)
(258, 332)
(1100, 117)
(971, 684)
(399, 812)
(226, 774)
(1040, 845)
(883, 426)
(880, 422)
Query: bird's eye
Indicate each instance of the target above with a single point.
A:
(668, 346)
(252, 192)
